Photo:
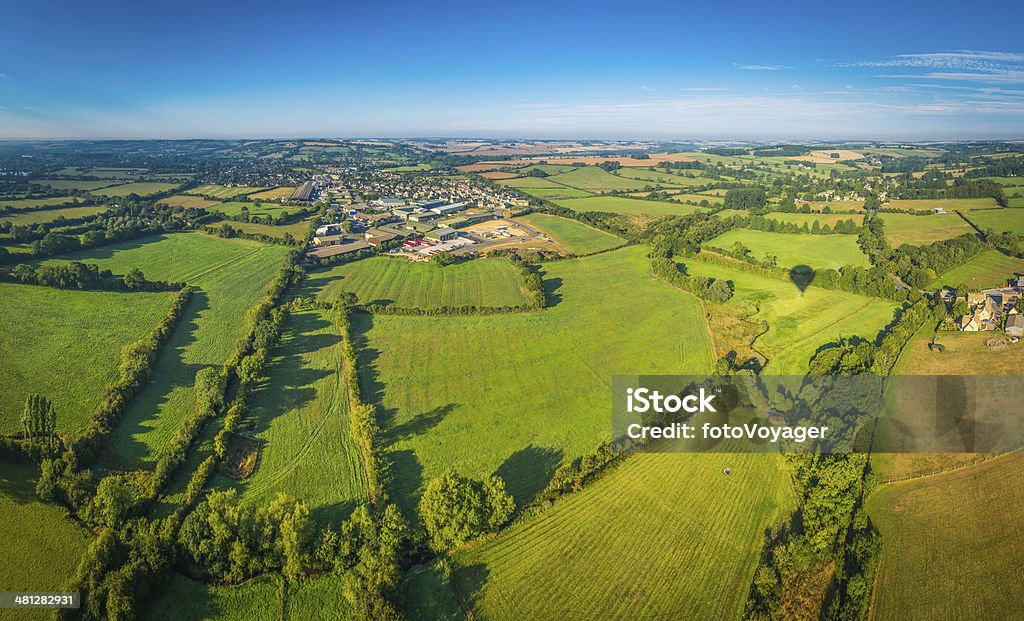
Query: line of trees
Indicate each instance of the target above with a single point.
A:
(82, 276)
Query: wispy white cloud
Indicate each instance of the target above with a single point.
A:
(647, 88)
(961, 65)
(702, 89)
(763, 67)
(991, 77)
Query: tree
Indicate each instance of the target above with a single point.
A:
(114, 499)
(455, 509)
(442, 259)
(134, 279)
(39, 421)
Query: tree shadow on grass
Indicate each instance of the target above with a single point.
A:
(528, 471)
(18, 482)
(169, 373)
(468, 582)
(333, 514)
(108, 251)
(405, 472)
(420, 423)
(551, 296)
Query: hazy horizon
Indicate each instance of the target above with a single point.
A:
(748, 71)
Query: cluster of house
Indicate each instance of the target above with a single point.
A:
(991, 308)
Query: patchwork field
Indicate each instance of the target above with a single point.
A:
(987, 269)
(948, 544)
(691, 555)
(187, 201)
(817, 251)
(225, 192)
(544, 396)
(301, 420)
(297, 229)
(71, 184)
(558, 192)
(901, 228)
(144, 188)
(231, 275)
(965, 354)
(273, 194)
(698, 198)
(41, 544)
(798, 323)
(52, 344)
(49, 215)
(594, 179)
(999, 220)
(949, 204)
(255, 209)
(34, 203)
(574, 237)
(628, 206)
(810, 218)
(397, 281)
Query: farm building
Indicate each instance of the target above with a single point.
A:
(377, 237)
(445, 210)
(425, 216)
(442, 234)
(322, 241)
(303, 193)
(1015, 325)
(333, 251)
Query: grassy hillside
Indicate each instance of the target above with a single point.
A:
(572, 236)
(181, 598)
(990, 268)
(301, 418)
(817, 251)
(949, 543)
(230, 276)
(397, 281)
(998, 220)
(49, 215)
(629, 206)
(526, 391)
(594, 179)
(67, 345)
(798, 322)
(662, 536)
(901, 228)
(41, 544)
(949, 204)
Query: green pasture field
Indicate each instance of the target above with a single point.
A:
(810, 218)
(985, 270)
(594, 179)
(318, 599)
(187, 201)
(527, 391)
(550, 169)
(142, 188)
(947, 544)
(530, 182)
(297, 229)
(398, 281)
(49, 215)
(66, 345)
(255, 209)
(697, 198)
(817, 251)
(257, 599)
(42, 545)
(571, 235)
(225, 192)
(680, 178)
(1007, 181)
(949, 204)
(231, 275)
(999, 220)
(661, 536)
(410, 168)
(558, 192)
(71, 184)
(1015, 203)
(273, 194)
(35, 203)
(902, 228)
(798, 323)
(301, 417)
(628, 206)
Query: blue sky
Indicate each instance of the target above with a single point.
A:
(666, 70)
